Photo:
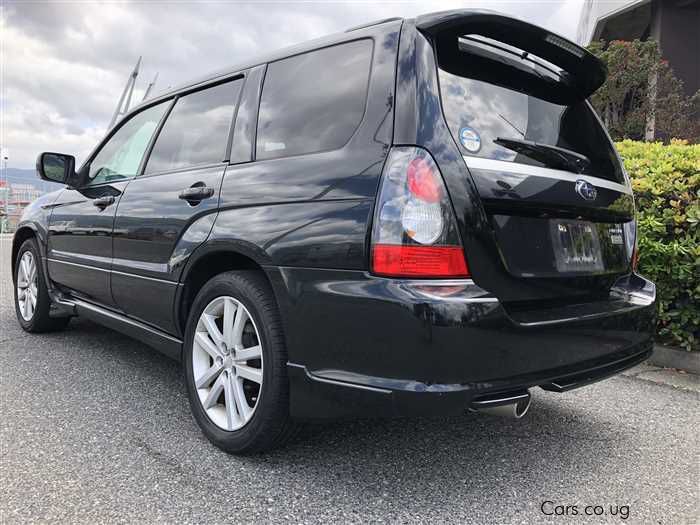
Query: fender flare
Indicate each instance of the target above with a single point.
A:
(225, 245)
(235, 247)
(19, 233)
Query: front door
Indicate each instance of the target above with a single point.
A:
(81, 224)
(173, 202)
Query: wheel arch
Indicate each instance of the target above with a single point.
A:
(21, 235)
(207, 262)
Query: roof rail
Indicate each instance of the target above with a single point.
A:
(375, 23)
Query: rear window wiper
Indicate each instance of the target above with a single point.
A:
(551, 156)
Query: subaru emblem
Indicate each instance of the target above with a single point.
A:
(586, 190)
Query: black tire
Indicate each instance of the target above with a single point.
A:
(40, 320)
(270, 425)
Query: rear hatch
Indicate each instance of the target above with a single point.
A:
(558, 203)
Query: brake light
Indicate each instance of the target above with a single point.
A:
(419, 261)
(415, 231)
(421, 181)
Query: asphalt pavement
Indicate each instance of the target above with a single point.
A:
(95, 428)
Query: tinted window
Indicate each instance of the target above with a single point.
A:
(121, 156)
(196, 130)
(313, 102)
(479, 112)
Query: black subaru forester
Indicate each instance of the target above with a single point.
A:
(420, 216)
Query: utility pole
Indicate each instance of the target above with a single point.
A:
(7, 184)
(122, 107)
(150, 87)
(6, 220)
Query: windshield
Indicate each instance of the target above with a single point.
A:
(480, 113)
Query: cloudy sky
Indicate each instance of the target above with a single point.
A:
(64, 64)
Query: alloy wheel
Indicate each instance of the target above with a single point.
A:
(227, 363)
(27, 285)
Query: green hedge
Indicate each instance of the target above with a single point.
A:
(666, 182)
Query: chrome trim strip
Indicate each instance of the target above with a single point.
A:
(586, 317)
(430, 282)
(164, 281)
(125, 263)
(470, 293)
(87, 266)
(141, 265)
(480, 163)
(83, 257)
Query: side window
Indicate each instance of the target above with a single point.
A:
(304, 106)
(121, 156)
(196, 131)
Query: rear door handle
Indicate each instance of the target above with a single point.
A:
(103, 202)
(196, 193)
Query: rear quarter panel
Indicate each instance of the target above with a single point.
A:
(314, 210)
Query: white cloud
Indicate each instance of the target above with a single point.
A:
(64, 65)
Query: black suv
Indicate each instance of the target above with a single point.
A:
(417, 216)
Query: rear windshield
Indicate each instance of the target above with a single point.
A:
(478, 113)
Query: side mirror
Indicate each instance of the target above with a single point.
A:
(56, 167)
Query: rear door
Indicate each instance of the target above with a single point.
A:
(179, 188)
(559, 210)
(80, 227)
(548, 219)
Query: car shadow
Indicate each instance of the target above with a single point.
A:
(456, 457)
(391, 457)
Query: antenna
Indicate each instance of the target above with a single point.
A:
(122, 108)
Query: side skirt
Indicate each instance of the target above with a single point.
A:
(164, 343)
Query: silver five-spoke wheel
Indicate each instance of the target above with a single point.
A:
(227, 363)
(27, 285)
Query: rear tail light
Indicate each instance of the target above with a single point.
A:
(415, 232)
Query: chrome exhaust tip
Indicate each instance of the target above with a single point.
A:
(514, 405)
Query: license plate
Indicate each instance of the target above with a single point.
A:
(616, 236)
(576, 246)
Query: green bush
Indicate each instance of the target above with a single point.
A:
(666, 183)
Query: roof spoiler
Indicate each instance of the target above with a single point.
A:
(582, 71)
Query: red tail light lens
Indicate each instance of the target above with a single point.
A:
(415, 231)
(422, 182)
(419, 261)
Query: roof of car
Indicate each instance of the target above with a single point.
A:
(427, 22)
(279, 54)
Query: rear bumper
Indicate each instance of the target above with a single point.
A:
(366, 346)
(318, 396)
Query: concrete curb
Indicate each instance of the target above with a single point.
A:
(673, 358)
